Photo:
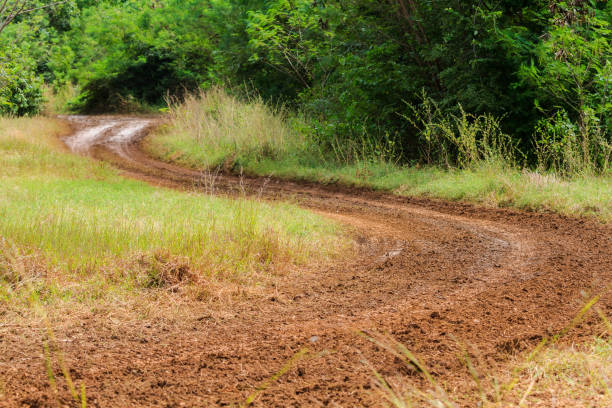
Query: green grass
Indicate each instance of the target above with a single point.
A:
(489, 184)
(77, 228)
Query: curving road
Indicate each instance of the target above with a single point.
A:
(430, 273)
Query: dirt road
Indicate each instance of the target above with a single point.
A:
(428, 272)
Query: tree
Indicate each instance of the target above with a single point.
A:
(20, 89)
(573, 71)
(291, 37)
(11, 9)
(20, 84)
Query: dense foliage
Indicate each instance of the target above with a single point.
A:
(20, 88)
(364, 71)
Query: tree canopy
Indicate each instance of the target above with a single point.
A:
(353, 66)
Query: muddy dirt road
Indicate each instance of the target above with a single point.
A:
(428, 272)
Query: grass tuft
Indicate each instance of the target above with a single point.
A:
(211, 129)
(550, 375)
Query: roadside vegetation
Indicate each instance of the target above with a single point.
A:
(503, 103)
(72, 229)
(467, 158)
(547, 376)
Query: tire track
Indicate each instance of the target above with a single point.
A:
(428, 272)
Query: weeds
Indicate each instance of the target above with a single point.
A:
(219, 129)
(162, 270)
(568, 150)
(460, 140)
(11, 267)
(53, 354)
(546, 370)
(365, 149)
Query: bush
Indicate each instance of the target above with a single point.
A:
(569, 149)
(20, 89)
(460, 139)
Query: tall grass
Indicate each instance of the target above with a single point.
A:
(85, 223)
(466, 157)
(566, 149)
(57, 101)
(460, 140)
(212, 128)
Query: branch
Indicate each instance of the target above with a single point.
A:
(14, 12)
(57, 3)
(3, 7)
(19, 9)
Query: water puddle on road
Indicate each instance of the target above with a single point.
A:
(115, 133)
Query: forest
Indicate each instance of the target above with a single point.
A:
(407, 81)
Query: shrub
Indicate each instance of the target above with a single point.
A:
(568, 149)
(460, 139)
(20, 89)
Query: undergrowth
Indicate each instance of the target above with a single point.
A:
(463, 157)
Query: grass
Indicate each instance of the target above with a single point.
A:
(577, 376)
(57, 101)
(213, 128)
(72, 228)
(559, 376)
(551, 375)
(487, 184)
(216, 130)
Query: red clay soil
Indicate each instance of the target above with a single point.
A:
(430, 273)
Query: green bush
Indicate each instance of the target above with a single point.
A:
(460, 140)
(569, 149)
(20, 89)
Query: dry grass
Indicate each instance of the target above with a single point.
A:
(577, 376)
(56, 101)
(551, 375)
(212, 128)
